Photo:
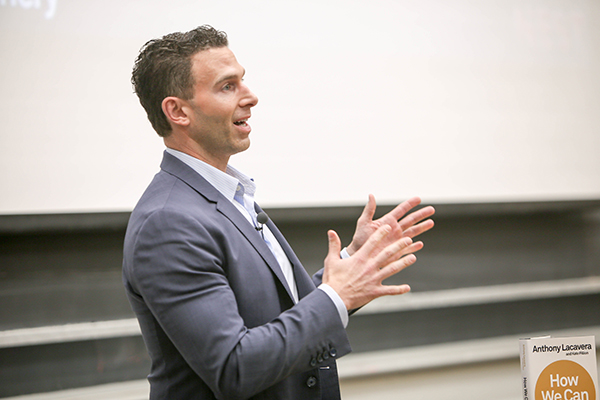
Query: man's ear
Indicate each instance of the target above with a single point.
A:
(176, 110)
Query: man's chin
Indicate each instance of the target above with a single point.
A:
(241, 146)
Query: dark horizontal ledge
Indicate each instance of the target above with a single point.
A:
(443, 210)
(78, 222)
(58, 223)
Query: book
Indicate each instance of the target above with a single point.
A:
(561, 368)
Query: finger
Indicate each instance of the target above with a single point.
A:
(394, 267)
(392, 252)
(416, 230)
(335, 245)
(413, 248)
(394, 290)
(374, 240)
(416, 216)
(401, 209)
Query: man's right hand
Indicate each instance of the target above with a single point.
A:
(358, 279)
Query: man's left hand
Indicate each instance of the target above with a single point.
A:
(403, 225)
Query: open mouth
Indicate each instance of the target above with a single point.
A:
(241, 122)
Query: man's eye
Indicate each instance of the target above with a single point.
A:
(228, 86)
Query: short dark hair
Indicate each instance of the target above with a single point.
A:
(164, 68)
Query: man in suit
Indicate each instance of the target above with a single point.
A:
(226, 309)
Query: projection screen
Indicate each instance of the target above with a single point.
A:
(456, 101)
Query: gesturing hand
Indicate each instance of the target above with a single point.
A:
(402, 225)
(358, 279)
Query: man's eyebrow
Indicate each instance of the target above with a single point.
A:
(230, 76)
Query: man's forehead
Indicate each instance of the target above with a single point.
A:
(216, 64)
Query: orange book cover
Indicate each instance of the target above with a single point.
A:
(562, 368)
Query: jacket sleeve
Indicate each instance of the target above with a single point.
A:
(178, 269)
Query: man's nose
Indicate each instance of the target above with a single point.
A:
(249, 99)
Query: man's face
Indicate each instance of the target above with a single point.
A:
(221, 104)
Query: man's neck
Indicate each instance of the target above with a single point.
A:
(197, 152)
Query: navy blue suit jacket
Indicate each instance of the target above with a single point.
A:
(214, 308)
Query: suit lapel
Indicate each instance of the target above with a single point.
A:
(176, 167)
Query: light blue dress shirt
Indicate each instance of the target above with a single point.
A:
(232, 183)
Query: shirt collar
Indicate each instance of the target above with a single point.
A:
(225, 182)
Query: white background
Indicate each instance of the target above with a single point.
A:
(453, 100)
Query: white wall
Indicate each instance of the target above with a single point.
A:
(453, 100)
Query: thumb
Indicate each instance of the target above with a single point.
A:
(369, 210)
(335, 244)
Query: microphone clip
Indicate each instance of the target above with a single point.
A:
(261, 218)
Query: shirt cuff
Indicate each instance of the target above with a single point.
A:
(337, 300)
(344, 253)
